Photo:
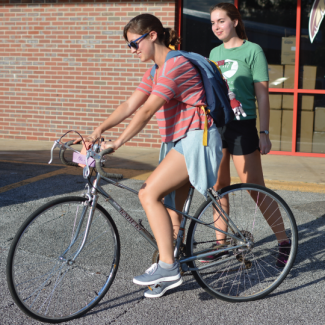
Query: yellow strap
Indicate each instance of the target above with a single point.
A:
(217, 66)
(172, 47)
(205, 132)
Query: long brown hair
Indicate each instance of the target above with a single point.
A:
(146, 23)
(233, 14)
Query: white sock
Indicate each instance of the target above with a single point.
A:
(167, 266)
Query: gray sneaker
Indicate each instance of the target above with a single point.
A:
(156, 274)
(160, 288)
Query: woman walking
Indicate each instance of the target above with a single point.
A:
(244, 65)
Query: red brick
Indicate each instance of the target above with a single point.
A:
(68, 89)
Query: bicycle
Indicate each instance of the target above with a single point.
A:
(61, 250)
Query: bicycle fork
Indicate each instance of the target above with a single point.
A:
(92, 198)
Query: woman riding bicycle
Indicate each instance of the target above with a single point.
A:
(176, 96)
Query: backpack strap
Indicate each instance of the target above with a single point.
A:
(170, 55)
(205, 131)
(153, 71)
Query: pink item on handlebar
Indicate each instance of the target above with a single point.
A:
(81, 159)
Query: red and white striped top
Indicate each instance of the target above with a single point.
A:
(180, 84)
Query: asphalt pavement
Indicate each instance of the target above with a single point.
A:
(27, 182)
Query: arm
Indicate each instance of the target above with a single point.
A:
(262, 96)
(122, 112)
(140, 119)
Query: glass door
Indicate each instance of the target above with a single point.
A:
(292, 35)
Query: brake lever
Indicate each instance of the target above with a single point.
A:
(56, 144)
(86, 170)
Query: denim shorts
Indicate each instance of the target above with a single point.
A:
(202, 162)
(179, 147)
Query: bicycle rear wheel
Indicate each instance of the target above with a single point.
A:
(247, 273)
(42, 280)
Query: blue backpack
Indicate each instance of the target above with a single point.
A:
(216, 90)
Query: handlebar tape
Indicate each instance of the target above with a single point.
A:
(97, 161)
(100, 169)
(61, 154)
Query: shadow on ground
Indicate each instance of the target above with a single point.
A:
(310, 257)
(16, 169)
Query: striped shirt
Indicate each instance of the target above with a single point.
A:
(180, 85)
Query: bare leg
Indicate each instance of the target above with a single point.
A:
(171, 174)
(249, 169)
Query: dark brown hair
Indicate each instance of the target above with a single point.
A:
(146, 23)
(233, 14)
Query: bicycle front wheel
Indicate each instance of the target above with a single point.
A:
(42, 277)
(248, 273)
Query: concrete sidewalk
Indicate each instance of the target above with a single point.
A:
(304, 174)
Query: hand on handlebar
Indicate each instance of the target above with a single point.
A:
(94, 158)
(86, 145)
(104, 145)
(109, 144)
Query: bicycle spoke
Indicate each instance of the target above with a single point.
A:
(55, 288)
(249, 272)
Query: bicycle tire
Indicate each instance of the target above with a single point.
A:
(45, 286)
(249, 273)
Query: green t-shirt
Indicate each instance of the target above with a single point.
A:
(242, 66)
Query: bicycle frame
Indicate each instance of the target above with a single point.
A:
(92, 195)
(144, 232)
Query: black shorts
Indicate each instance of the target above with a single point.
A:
(240, 137)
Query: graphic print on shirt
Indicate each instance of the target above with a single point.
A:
(230, 65)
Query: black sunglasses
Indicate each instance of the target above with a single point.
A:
(135, 44)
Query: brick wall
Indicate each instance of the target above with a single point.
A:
(65, 65)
